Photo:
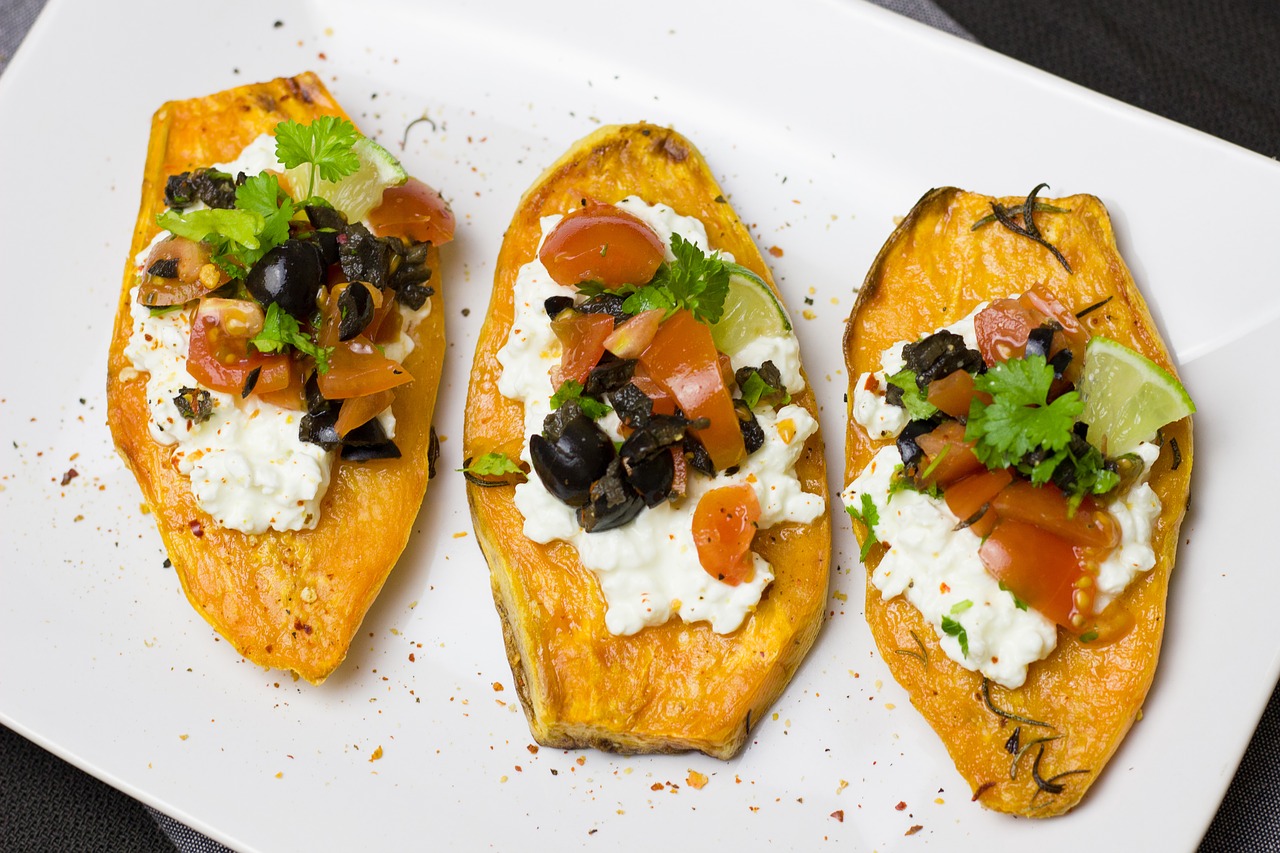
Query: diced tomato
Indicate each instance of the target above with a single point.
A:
(219, 356)
(360, 410)
(663, 402)
(1046, 507)
(413, 211)
(966, 497)
(293, 395)
(583, 337)
(634, 336)
(600, 242)
(949, 457)
(356, 367)
(683, 360)
(1003, 326)
(1038, 567)
(724, 523)
(954, 392)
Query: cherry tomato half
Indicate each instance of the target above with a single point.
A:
(600, 242)
(413, 211)
(219, 356)
(356, 367)
(1039, 568)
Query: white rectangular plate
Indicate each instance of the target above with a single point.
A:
(824, 121)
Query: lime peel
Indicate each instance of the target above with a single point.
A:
(1127, 396)
(751, 311)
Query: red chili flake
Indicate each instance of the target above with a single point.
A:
(306, 629)
(775, 251)
(901, 807)
(71, 474)
(982, 789)
(871, 383)
(411, 657)
(656, 786)
(913, 830)
(533, 750)
(497, 687)
(838, 814)
(197, 529)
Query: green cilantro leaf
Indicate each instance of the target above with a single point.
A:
(952, 628)
(915, 401)
(492, 465)
(279, 330)
(900, 482)
(238, 226)
(648, 298)
(695, 281)
(326, 144)
(1020, 419)
(571, 389)
(869, 516)
(755, 388)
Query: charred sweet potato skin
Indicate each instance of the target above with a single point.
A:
(932, 271)
(675, 687)
(291, 600)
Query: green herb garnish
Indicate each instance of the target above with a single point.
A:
(915, 401)
(952, 628)
(755, 388)
(1017, 602)
(961, 606)
(870, 517)
(280, 329)
(327, 145)
(571, 389)
(492, 465)
(694, 281)
(1008, 715)
(922, 655)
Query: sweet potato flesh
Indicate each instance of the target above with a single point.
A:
(677, 686)
(932, 271)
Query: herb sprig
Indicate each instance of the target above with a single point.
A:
(695, 281)
(870, 517)
(571, 389)
(327, 145)
(279, 329)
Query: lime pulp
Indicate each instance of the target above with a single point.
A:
(751, 311)
(1127, 397)
(360, 192)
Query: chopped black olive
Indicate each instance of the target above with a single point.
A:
(697, 456)
(752, 434)
(320, 428)
(553, 425)
(612, 502)
(289, 275)
(632, 405)
(365, 257)
(647, 466)
(323, 217)
(368, 441)
(605, 303)
(355, 310)
(939, 355)
(194, 404)
(556, 304)
(414, 295)
(433, 453)
(609, 375)
(1060, 361)
(1040, 341)
(214, 188)
(250, 381)
(164, 268)
(573, 460)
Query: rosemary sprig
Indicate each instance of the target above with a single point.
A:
(1052, 785)
(1094, 307)
(1017, 756)
(1008, 715)
(1028, 228)
(922, 655)
(1041, 207)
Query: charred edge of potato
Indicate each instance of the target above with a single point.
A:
(251, 588)
(561, 688)
(1072, 688)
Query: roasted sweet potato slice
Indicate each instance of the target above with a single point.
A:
(673, 687)
(934, 269)
(291, 600)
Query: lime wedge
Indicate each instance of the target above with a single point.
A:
(750, 311)
(360, 192)
(1127, 396)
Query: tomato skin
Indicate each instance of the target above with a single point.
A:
(1040, 568)
(219, 356)
(356, 367)
(413, 211)
(360, 410)
(1003, 326)
(600, 242)
(948, 456)
(583, 337)
(634, 336)
(1046, 507)
(724, 523)
(965, 497)
(683, 360)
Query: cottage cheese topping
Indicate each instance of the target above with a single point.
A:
(247, 466)
(649, 569)
(937, 568)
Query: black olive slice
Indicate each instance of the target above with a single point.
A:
(290, 275)
(752, 433)
(609, 375)
(321, 429)
(355, 310)
(164, 268)
(939, 355)
(605, 303)
(632, 405)
(369, 452)
(1040, 341)
(569, 464)
(612, 502)
(647, 467)
(698, 457)
(908, 449)
(555, 304)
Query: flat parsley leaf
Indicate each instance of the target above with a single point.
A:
(915, 401)
(493, 465)
(326, 144)
(279, 329)
(1020, 419)
(869, 516)
(953, 628)
(571, 389)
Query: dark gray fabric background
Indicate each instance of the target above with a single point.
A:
(1211, 65)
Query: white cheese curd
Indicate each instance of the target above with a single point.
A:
(1136, 512)
(247, 466)
(648, 569)
(937, 569)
